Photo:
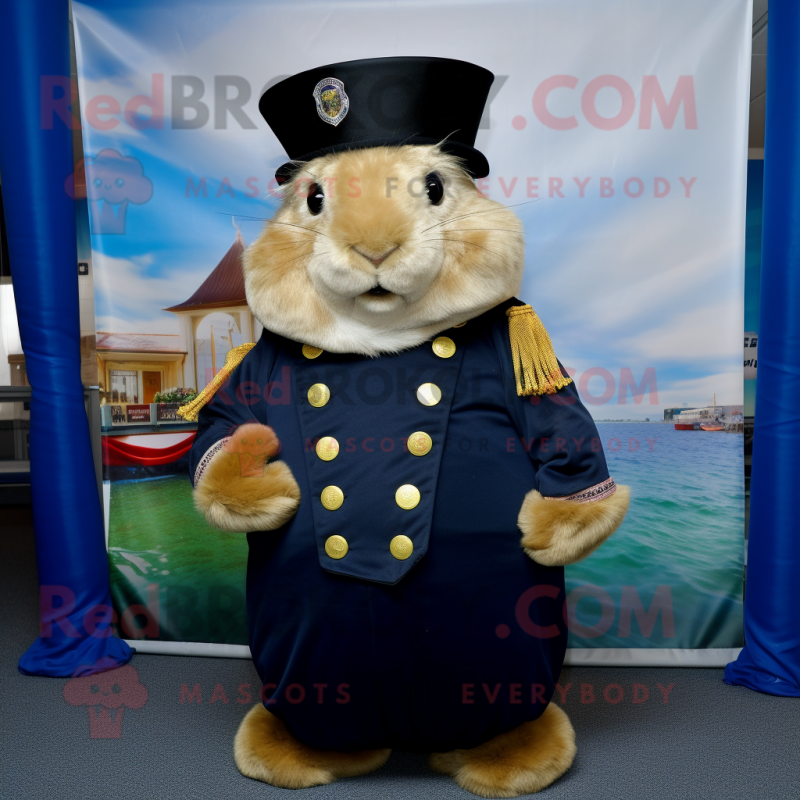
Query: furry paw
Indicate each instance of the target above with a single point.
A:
(522, 761)
(264, 749)
(240, 491)
(559, 532)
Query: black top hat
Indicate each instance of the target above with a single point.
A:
(379, 101)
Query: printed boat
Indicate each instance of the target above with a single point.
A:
(710, 418)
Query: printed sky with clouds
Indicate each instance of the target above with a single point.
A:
(620, 282)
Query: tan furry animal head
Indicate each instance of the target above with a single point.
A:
(365, 257)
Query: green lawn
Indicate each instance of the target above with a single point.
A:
(165, 557)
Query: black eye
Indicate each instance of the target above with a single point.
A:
(433, 183)
(315, 199)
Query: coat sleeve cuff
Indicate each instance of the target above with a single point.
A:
(597, 492)
(206, 459)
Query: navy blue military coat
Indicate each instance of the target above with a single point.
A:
(463, 636)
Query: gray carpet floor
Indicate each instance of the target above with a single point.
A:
(708, 740)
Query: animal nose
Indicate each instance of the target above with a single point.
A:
(376, 260)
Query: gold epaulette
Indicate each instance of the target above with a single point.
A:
(535, 365)
(235, 355)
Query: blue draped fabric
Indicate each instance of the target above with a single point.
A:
(770, 661)
(35, 159)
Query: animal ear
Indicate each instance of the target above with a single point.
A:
(286, 172)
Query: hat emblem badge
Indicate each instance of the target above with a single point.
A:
(332, 102)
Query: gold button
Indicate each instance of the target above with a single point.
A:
(309, 351)
(332, 497)
(318, 395)
(407, 496)
(444, 346)
(429, 394)
(401, 547)
(419, 443)
(460, 325)
(336, 546)
(327, 449)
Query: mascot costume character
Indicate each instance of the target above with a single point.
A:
(410, 461)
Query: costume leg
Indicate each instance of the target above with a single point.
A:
(265, 750)
(522, 761)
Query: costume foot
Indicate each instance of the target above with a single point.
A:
(265, 750)
(522, 761)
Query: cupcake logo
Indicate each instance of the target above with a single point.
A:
(110, 182)
(254, 445)
(106, 696)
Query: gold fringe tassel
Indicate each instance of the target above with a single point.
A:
(190, 410)
(535, 365)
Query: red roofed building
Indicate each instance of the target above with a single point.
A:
(223, 287)
(215, 318)
(132, 367)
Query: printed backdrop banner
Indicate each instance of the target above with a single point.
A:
(617, 131)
